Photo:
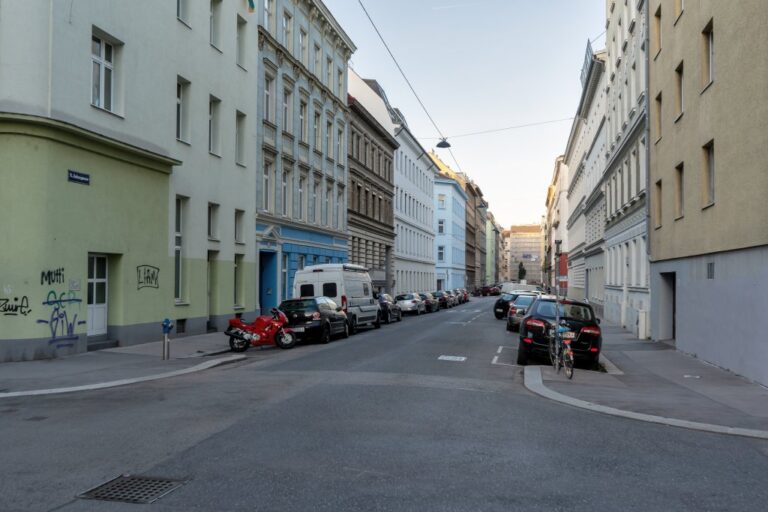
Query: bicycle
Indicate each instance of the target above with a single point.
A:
(560, 351)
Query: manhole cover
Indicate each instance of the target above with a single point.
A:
(133, 489)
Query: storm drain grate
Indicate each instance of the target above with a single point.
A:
(133, 489)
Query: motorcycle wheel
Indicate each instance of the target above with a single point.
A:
(285, 340)
(237, 345)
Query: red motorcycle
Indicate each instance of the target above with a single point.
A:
(265, 331)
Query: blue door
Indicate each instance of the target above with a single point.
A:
(268, 292)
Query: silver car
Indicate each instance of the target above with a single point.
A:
(518, 309)
(411, 303)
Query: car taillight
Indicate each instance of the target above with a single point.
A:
(527, 340)
(316, 315)
(512, 311)
(414, 302)
(532, 322)
(594, 349)
(344, 303)
(595, 331)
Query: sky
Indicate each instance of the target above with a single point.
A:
(480, 65)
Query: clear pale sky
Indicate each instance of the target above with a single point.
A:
(479, 65)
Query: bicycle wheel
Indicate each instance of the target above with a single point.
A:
(553, 356)
(568, 361)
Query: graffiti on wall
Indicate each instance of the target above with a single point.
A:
(61, 321)
(54, 276)
(147, 276)
(15, 306)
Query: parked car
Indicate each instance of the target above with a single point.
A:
(466, 294)
(495, 291)
(452, 298)
(442, 299)
(430, 302)
(486, 290)
(315, 319)
(510, 287)
(411, 303)
(459, 296)
(518, 309)
(501, 306)
(390, 310)
(539, 324)
(347, 285)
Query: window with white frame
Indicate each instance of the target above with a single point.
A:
(339, 142)
(441, 226)
(329, 73)
(268, 14)
(288, 110)
(328, 139)
(340, 83)
(340, 208)
(239, 216)
(266, 191)
(303, 49)
(318, 70)
(240, 127)
(327, 204)
(285, 190)
(302, 196)
(288, 32)
(269, 99)
(316, 130)
(214, 142)
(242, 43)
(440, 253)
(103, 57)
(303, 120)
(709, 173)
(441, 201)
(708, 71)
(214, 21)
(182, 109)
(238, 280)
(315, 197)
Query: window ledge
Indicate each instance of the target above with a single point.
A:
(241, 164)
(658, 140)
(186, 143)
(102, 109)
(214, 154)
(678, 17)
(181, 302)
(707, 206)
(679, 217)
(238, 307)
(707, 86)
(304, 143)
(657, 54)
(242, 67)
(239, 242)
(679, 116)
(184, 22)
(212, 239)
(216, 48)
(657, 228)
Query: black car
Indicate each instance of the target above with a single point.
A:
(518, 309)
(501, 306)
(430, 302)
(316, 319)
(538, 325)
(442, 299)
(390, 310)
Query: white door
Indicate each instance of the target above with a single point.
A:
(97, 295)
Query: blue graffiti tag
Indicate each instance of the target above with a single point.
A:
(62, 329)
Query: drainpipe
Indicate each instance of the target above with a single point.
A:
(648, 224)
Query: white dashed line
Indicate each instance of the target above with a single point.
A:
(458, 359)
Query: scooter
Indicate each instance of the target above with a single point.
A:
(265, 331)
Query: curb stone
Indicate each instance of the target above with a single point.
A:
(123, 382)
(535, 383)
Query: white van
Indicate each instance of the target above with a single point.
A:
(347, 285)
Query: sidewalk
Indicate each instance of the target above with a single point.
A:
(648, 378)
(116, 366)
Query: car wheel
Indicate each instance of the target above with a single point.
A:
(522, 357)
(400, 316)
(389, 317)
(594, 363)
(352, 322)
(509, 326)
(498, 316)
(325, 337)
(345, 332)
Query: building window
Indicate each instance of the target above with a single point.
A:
(239, 215)
(288, 32)
(214, 20)
(213, 214)
(339, 206)
(301, 261)
(318, 62)
(709, 173)
(441, 201)
(269, 99)
(657, 30)
(103, 74)
(328, 139)
(710, 270)
(240, 127)
(181, 10)
(288, 111)
(316, 130)
(213, 125)
(285, 192)
(339, 141)
(242, 43)
(315, 205)
(178, 266)
(303, 120)
(327, 204)
(658, 203)
(440, 253)
(329, 73)
(268, 14)
(303, 53)
(708, 71)
(302, 196)
(679, 7)
(441, 226)
(679, 89)
(679, 191)
(266, 192)
(340, 83)
(182, 109)
(238, 280)
(658, 112)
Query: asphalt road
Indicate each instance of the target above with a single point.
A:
(375, 422)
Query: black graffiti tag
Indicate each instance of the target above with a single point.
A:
(16, 306)
(147, 276)
(49, 277)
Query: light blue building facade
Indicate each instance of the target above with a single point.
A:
(301, 134)
(450, 237)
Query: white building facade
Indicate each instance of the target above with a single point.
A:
(627, 297)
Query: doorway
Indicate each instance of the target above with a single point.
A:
(211, 287)
(668, 307)
(97, 295)
(267, 280)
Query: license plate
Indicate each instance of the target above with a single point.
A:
(499, 310)
(297, 329)
(569, 335)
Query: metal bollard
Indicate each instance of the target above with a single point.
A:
(167, 327)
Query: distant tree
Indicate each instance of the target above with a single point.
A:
(521, 271)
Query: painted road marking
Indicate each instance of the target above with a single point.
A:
(458, 359)
(496, 357)
(500, 349)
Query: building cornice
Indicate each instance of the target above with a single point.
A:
(371, 121)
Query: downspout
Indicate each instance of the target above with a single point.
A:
(647, 135)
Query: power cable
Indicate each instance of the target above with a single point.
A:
(494, 130)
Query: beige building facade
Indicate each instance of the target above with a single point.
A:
(709, 178)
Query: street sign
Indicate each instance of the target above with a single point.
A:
(78, 177)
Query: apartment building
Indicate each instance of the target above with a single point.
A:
(301, 135)
(133, 197)
(708, 179)
(627, 298)
(492, 238)
(450, 241)
(371, 183)
(525, 241)
(555, 267)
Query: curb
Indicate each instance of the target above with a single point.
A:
(123, 382)
(534, 383)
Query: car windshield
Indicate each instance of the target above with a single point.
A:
(524, 300)
(569, 311)
(298, 305)
(406, 296)
(508, 296)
